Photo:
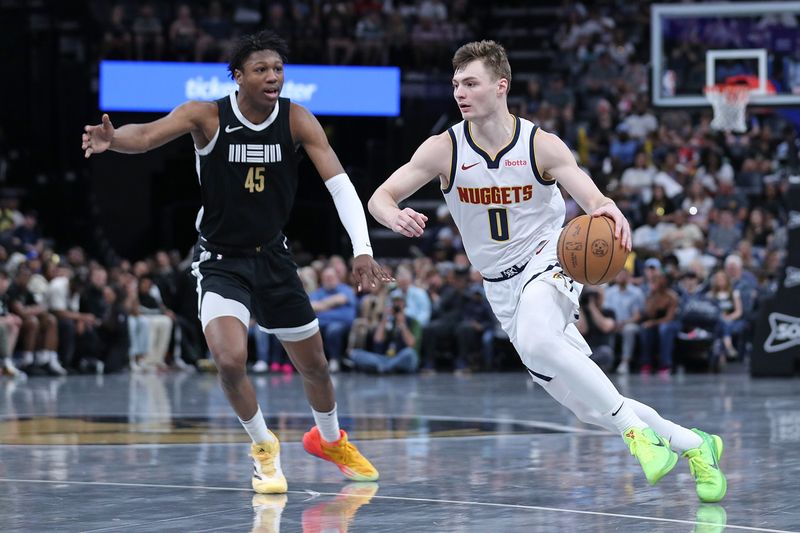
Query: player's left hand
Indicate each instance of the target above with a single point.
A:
(368, 272)
(622, 231)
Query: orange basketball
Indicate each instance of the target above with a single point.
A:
(588, 251)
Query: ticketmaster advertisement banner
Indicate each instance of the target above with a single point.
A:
(325, 90)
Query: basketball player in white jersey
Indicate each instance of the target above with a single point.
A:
(498, 174)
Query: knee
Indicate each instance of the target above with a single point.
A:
(230, 363)
(315, 369)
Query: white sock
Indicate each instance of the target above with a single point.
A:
(680, 438)
(624, 417)
(328, 424)
(256, 427)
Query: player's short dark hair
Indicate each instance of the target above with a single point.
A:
(247, 44)
(491, 53)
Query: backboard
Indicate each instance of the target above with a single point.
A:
(753, 43)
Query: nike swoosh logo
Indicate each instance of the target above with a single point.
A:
(541, 247)
(228, 129)
(467, 167)
(620, 405)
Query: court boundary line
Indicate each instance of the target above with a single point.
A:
(400, 498)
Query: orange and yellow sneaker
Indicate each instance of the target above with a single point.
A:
(268, 477)
(342, 453)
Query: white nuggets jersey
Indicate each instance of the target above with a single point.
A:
(502, 206)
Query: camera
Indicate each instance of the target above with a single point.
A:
(397, 308)
(587, 296)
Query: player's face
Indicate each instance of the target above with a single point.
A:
(261, 77)
(476, 91)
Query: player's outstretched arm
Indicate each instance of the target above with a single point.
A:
(307, 131)
(139, 138)
(430, 161)
(555, 160)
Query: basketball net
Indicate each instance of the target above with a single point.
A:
(729, 103)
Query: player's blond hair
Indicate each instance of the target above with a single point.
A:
(491, 53)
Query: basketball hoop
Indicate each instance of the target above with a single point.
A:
(729, 103)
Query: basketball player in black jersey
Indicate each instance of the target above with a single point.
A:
(245, 148)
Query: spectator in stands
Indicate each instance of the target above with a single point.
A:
(39, 330)
(698, 204)
(723, 235)
(558, 94)
(659, 326)
(117, 39)
(160, 321)
(148, 35)
(10, 325)
(684, 239)
(339, 41)
(623, 148)
(758, 230)
(474, 333)
(641, 122)
(596, 322)
(396, 39)
(627, 302)
(307, 44)
(418, 303)
(394, 341)
(102, 301)
(278, 22)
(216, 32)
(729, 301)
(647, 237)
(637, 181)
(370, 38)
(447, 315)
(27, 236)
(728, 198)
(428, 41)
(77, 338)
(335, 305)
(183, 34)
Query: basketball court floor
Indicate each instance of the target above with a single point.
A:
(484, 452)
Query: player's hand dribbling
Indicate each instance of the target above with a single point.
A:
(622, 231)
(368, 272)
(409, 223)
(97, 139)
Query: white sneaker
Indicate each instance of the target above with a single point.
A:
(11, 370)
(41, 358)
(54, 365)
(180, 364)
(623, 369)
(260, 367)
(333, 366)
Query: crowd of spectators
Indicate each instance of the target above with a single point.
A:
(363, 32)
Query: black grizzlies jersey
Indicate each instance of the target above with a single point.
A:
(248, 177)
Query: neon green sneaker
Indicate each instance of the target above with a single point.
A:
(652, 451)
(704, 466)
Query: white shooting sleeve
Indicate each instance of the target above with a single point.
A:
(351, 213)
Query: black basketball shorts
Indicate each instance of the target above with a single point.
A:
(261, 281)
